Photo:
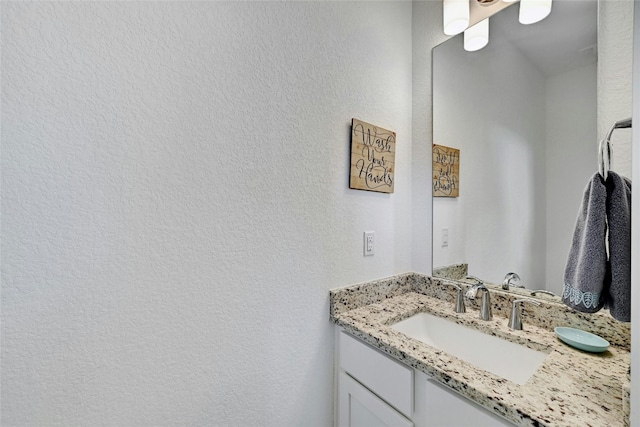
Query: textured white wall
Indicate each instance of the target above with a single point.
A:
(619, 98)
(571, 156)
(175, 204)
(494, 225)
(617, 85)
(615, 53)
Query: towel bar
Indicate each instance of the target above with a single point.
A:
(620, 124)
(604, 149)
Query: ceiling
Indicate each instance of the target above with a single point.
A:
(563, 41)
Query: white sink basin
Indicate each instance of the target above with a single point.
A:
(506, 359)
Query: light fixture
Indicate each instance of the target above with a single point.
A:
(532, 11)
(456, 18)
(455, 14)
(477, 36)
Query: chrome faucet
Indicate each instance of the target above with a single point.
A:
(485, 308)
(508, 279)
(460, 308)
(515, 320)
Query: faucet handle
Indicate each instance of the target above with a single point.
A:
(460, 308)
(515, 320)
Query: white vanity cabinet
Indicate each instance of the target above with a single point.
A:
(375, 390)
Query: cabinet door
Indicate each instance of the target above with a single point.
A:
(388, 379)
(446, 408)
(358, 407)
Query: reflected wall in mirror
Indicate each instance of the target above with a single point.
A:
(522, 112)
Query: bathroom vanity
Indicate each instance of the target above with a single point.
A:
(415, 398)
(385, 377)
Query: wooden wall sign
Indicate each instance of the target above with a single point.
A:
(373, 154)
(446, 171)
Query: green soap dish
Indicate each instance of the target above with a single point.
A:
(582, 340)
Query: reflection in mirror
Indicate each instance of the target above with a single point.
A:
(522, 112)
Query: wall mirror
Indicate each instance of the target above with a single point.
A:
(522, 112)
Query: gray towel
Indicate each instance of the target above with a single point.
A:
(618, 282)
(584, 276)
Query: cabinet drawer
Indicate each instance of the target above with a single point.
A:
(390, 380)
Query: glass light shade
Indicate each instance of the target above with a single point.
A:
(532, 11)
(455, 14)
(477, 37)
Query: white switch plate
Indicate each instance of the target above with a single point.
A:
(368, 243)
(445, 237)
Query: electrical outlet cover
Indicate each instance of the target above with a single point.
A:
(369, 243)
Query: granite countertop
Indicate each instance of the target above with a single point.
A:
(571, 387)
